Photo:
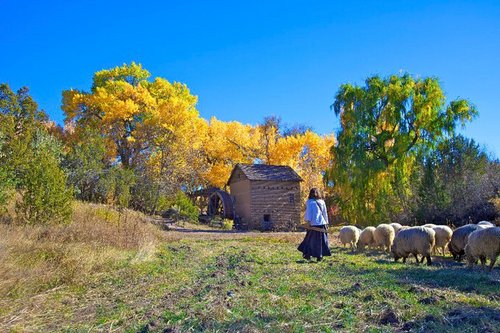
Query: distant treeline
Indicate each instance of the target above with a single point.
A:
(137, 142)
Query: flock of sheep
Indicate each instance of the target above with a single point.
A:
(476, 241)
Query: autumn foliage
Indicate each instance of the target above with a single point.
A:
(152, 127)
(135, 141)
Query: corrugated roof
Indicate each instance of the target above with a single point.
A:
(267, 172)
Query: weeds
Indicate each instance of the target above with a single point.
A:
(227, 281)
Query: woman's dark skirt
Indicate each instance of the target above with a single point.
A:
(315, 244)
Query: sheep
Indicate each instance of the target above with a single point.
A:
(429, 225)
(485, 224)
(396, 227)
(483, 244)
(366, 238)
(414, 240)
(384, 236)
(443, 236)
(349, 235)
(459, 240)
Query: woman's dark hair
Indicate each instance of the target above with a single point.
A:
(314, 194)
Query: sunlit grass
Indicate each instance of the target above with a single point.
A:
(254, 282)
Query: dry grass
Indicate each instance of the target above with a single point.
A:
(36, 259)
(109, 271)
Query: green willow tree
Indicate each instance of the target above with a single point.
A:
(384, 125)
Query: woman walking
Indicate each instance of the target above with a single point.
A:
(315, 244)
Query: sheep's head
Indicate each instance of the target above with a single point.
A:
(452, 249)
(394, 250)
(468, 256)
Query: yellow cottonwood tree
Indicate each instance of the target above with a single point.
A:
(150, 126)
(308, 153)
(136, 115)
(225, 145)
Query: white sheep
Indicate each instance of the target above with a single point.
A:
(429, 225)
(349, 235)
(443, 237)
(485, 224)
(483, 244)
(459, 240)
(384, 236)
(414, 240)
(366, 238)
(396, 227)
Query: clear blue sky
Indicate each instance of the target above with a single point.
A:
(246, 60)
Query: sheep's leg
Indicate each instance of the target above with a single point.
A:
(404, 260)
(483, 261)
(416, 257)
(470, 263)
(429, 261)
(492, 263)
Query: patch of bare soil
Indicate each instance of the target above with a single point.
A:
(188, 231)
(479, 319)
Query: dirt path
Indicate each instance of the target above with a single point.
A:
(187, 231)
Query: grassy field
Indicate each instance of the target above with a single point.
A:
(195, 280)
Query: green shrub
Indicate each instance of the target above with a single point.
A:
(186, 207)
(86, 164)
(227, 224)
(45, 199)
(115, 186)
(6, 179)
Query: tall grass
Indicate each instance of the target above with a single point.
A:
(34, 259)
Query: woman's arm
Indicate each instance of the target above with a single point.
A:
(307, 215)
(324, 212)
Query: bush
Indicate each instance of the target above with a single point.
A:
(115, 186)
(186, 207)
(85, 164)
(6, 179)
(45, 199)
(227, 224)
